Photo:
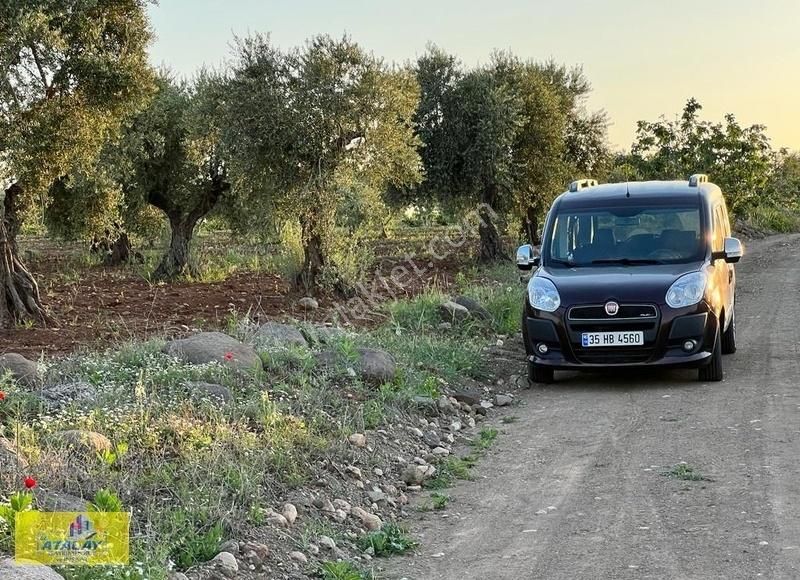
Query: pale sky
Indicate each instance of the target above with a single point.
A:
(644, 58)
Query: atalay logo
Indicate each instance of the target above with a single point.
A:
(73, 538)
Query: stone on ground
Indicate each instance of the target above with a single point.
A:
(308, 303)
(58, 396)
(24, 371)
(277, 334)
(85, 441)
(200, 391)
(452, 312)
(10, 570)
(208, 347)
(473, 306)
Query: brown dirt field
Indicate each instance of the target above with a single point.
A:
(95, 306)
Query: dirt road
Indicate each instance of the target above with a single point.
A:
(575, 488)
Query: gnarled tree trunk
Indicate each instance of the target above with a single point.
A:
(20, 301)
(175, 262)
(182, 221)
(491, 245)
(531, 226)
(313, 253)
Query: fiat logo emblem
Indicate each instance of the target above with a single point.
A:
(612, 308)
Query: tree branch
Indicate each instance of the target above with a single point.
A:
(40, 68)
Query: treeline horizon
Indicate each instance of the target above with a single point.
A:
(324, 144)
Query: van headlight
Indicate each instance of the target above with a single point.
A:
(543, 295)
(687, 290)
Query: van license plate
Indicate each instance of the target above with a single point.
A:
(590, 339)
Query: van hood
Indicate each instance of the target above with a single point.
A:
(623, 284)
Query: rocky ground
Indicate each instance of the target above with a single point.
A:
(365, 479)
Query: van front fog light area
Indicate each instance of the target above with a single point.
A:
(689, 345)
(542, 348)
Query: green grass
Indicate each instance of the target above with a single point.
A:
(774, 219)
(390, 540)
(195, 473)
(453, 469)
(439, 500)
(685, 472)
(456, 468)
(344, 571)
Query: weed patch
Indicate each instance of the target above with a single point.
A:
(390, 540)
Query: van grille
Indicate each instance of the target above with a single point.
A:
(626, 311)
(631, 317)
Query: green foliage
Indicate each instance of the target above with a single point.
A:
(72, 72)
(105, 500)
(439, 500)
(343, 571)
(347, 117)
(738, 159)
(171, 159)
(390, 540)
(197, 546)
(774, 219)
(20, 501)
(685, 472)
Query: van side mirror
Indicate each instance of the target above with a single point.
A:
(527, 257)
(732, 251)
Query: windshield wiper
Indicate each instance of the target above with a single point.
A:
(627, 261)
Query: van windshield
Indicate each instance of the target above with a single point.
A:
(626, 236)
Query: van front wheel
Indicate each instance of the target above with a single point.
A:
(713, 371)
(540, 374)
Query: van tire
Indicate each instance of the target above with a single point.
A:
(729, 337)
(538, 374)
(713, 371)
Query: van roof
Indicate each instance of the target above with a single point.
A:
(660, 192)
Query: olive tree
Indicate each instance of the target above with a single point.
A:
(71, 71)
(170, 158)
(310, 127)
(739, 159)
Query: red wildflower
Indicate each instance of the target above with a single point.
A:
(228, 356)
(30, 483)
(2, 395)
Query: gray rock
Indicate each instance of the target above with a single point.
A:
(85, 441)
(326, 542)
(444, 405)
(471, 397)
(219, 394)
(275, 333)
(299, 557)
(308, 303)
(425, 404)
(10, 570)
(24, 371)
(415, 474)
(473, 306)
(452, 312)
(10, 460)
(55, 501)
(373, 366)
(370, 521)
(289, 512)
(63, 395)
(207, 347)
(431, 439)
(226, 562)
(503, 400)
(328, 334)
(376, 366)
